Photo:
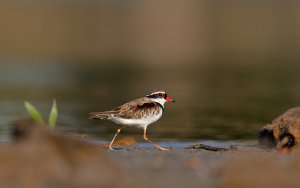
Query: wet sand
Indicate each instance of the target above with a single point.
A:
(245, 167)
(43, 158)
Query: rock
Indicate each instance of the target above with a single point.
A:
(283, 132)
(121, 143)
(22, 127)
(127, 141)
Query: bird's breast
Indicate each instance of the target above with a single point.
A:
(139, 122)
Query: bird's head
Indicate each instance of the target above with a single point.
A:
(160, 97)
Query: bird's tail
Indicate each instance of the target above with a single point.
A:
(99, 115)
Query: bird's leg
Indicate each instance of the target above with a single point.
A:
(157, 146)
(112, 141)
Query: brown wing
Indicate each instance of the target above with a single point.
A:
(137, 109)
(101, 115)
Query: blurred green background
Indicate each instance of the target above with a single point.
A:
(231, 66)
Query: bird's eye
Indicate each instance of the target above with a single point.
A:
(160, 94)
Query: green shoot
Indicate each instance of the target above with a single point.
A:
(53, 115)
(37, 117)
(34, 113)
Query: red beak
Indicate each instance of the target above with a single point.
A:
(169, 99)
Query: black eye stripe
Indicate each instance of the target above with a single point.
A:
(157, 95)
(151, 96)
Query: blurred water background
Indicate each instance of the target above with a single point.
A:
(231, 66)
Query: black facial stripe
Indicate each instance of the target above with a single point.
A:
(151, 96)
(160, 106)
(157, 95)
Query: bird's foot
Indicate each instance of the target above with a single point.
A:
(110, 148)
(161, 148)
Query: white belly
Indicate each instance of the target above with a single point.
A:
(142, 123)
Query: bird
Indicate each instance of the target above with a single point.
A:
(140, 112)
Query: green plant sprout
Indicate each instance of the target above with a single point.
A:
(37, 117)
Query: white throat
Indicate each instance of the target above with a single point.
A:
(160, 101)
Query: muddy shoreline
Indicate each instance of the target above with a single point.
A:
(244, 167)
(40, 157)
(43, 158)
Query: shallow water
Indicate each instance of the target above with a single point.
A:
(214, 100)
(241, 145)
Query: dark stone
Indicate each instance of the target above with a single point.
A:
(284, 131)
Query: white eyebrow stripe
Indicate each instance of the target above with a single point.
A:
(157, 92)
